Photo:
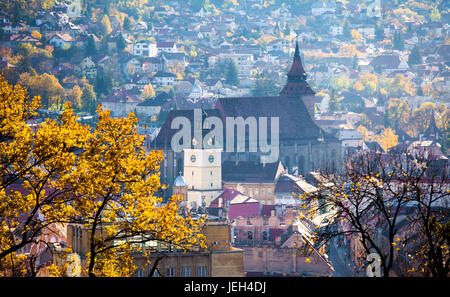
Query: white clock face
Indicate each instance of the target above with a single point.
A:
(193, 158)
(211, 158)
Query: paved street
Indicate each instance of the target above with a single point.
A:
(339, 262)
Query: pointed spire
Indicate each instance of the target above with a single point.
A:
(432, 130)
(297, 73)
(297, 51)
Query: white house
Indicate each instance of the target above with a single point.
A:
(88, 68)
(168, 46)
(145, 48)
(349, 138)
(244, 62)
(131, 66)
(336, 30)
(165, 79)
(64, 41)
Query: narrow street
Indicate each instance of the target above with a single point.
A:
(339, 262)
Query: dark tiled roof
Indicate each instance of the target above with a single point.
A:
(386, 61)
(295, 124)
(252, 172)
(285, 185)
(164, 137)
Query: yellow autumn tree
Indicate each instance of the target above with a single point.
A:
(356, 37)
(364, 132)
(114, 183)
(148, 92)
(31, 159)
(74, 97)
(62, 172)
(358, 86)
(388, 139)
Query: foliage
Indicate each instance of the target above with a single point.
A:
(397, 113)
(74, 97)
(414, 57)
(231, 76)
(388, 139)
(69, 172)
(148, 92)
(385, 203)
(88, 98)
(45, 85)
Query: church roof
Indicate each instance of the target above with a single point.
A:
(164, 137)
(295, 123)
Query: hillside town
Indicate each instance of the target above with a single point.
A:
(374, 81)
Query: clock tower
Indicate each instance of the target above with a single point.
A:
(203, 176)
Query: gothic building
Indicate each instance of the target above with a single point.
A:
(303, 145)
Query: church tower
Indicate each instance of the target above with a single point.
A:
(297, 86)
(432, 132)
(203, 175)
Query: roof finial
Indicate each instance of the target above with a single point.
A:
(297, 51)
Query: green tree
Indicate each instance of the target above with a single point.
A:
(379, 32)
(88, 98)
(120, 43)
(90, 48)
(414, 57)
(287, 30)
(265, 87)
(347, 31)
(103, 83)
(398, 41)
(333, 105)
(232, 77)
(127, 24)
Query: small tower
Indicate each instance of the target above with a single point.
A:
(180, 187)
(202, 170)
(297, 86)
(432, 132)
(380, 101)
(203, 176)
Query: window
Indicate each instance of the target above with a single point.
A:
(140, 273)
(269, 191)
(250, 235)
(264, 235)
(263, 192)
(186, 271)
(170, 272)
(201, 271)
